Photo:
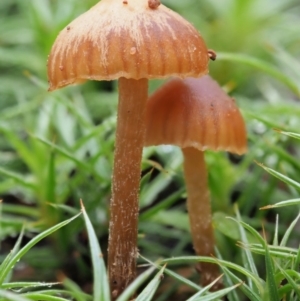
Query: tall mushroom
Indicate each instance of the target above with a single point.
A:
(133, 41)
(196, 114)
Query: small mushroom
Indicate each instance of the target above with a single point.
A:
(196, 115)
(131, 42)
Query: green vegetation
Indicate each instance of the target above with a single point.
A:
(56, 148)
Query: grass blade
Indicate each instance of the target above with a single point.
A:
(294, 202)
(4, 272)
(280, 252)
(289, 231)
(131, 289)
(175, 275)
(150, 289)
(244, 287)
(232, 296)
(44, 297)
(290, 134)
(12, 253)
(166, 203)
(183, 280)
(57, 293)
(217, 295)
(51, 182)
(70, 156)
(74, 289)
(271, 282)
(297, 261)
(204, 290)
(21, 147)
(280, 176)
(17, 177)
(21, 210)
(248, 258)
(275, 239)
(260, 65)
(27, 285)
(291, 281)
(101, 287)
(11, 296)
(188, 259)
(272, 291)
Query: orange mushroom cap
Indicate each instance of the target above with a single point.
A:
(132, 39)
(195, 113)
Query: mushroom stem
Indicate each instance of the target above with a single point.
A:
(124, 207)
(198, 205)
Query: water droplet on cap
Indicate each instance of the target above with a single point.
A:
(132, 50)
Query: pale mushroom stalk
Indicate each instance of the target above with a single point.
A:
(199, 209)
(124, 205)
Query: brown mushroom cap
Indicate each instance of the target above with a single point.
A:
(130, 39)
(195, 113)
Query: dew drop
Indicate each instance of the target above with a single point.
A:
(132, 50)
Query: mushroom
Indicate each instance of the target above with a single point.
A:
(196, 115)
(132, 41)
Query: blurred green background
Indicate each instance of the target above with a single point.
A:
(57, 148)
